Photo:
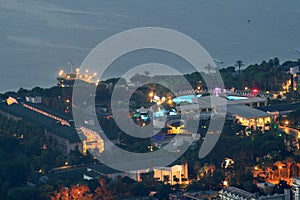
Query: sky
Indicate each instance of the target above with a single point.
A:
(39, 37)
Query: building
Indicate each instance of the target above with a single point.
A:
(266, 187)
(36, 99)
(95, 171)
(285, 196)
(176, 196)
(296, 188)
(177, 174)
(233, 193)
(241, 108)
(59, 129)
(278, 110)
(210, 194)
(250, 117)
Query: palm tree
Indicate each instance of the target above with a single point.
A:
(276, 62)
(212, 168)
(239, 64)
(269, 170)
(298, 165)
(279, 166)
(197, 167)
(206, 168)
(289, 161)
(201, 172)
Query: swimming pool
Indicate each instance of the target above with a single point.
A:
(186, 98)
(236, 98)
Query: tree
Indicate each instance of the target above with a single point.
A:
(23, 193)
(279, 166)
(139, 189)
(289, 161)
(276, 62)
(148, 178)
(139, 78)
(239, 64)
(163, 191)
(146, 73)
(80, 192)
(103, 191)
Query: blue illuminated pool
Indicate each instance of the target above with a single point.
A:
(236, 98)
(186, 98)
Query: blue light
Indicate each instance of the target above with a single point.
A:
(187, 98)
(236, 98)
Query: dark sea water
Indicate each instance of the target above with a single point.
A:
(38, 37)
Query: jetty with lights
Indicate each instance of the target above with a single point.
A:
(67, 79)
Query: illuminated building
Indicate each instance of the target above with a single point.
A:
(177, 174)
(60, 130)
(250, 117)
(241, 108)
(92, 140)
(176, 127)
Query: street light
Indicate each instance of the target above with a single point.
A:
(151, 94)
(225, 183)
(286, 122)
(170, 102)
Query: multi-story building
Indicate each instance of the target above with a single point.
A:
(233, 193)
(296, 188)
(60, 130)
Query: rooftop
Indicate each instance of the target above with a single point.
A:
(103, 169)
(222, 100)
(246, 111)
(235, 107)
(238, 192)
(280, 108)
(55, 127)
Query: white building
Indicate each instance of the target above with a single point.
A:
(36, 99)
(296, 188)
(233, 193)
(173, 175)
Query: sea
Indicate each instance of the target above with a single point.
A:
(40, 37)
